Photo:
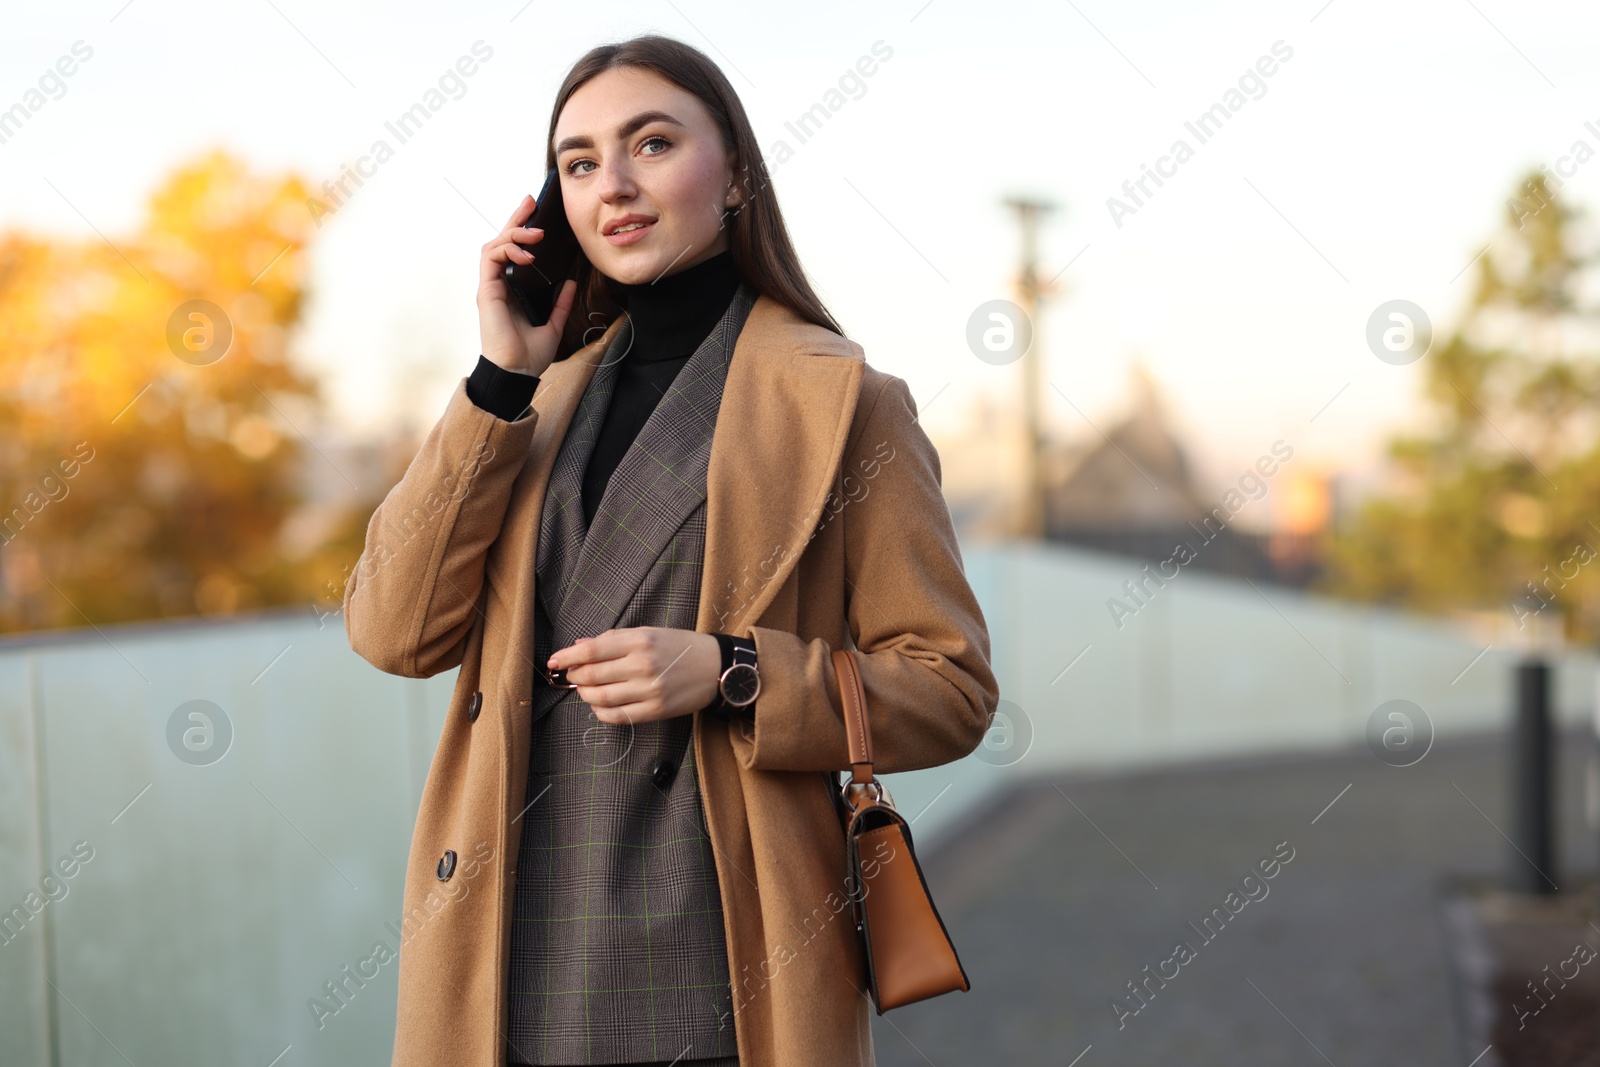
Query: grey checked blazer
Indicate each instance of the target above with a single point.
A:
(617, 946)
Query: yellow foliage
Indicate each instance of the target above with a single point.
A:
(141, 477)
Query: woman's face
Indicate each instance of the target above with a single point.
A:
(633, 147)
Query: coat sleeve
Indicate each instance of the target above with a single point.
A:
(412, 596)
(921, 641)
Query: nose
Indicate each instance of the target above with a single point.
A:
(615, 181)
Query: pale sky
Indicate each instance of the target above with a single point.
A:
(1372, 168)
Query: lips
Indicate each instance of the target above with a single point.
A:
(627, 220)
(622, 238)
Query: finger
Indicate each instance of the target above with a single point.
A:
(511, 251)
(492, 266)
(564, 301)
(599, 672)
(525, 208)
(607, 694)
(605, 646)
(618, 709)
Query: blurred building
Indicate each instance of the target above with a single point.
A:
(1135, 492)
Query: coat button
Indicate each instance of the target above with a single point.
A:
(474, 707)
(447, 865)
(662, 772)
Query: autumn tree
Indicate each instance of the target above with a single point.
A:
(153, 450)
(1500, 505)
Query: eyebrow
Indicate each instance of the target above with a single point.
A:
(627, 129)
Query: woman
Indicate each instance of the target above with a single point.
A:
(620, 856)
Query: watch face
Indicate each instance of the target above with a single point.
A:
(740, 685)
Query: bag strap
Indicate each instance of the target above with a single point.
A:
(857, 730)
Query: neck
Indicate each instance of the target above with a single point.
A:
(672, 315)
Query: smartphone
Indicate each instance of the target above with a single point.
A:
(534, 286)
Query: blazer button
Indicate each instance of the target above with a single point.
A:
(474, 707)
(447, 865)
(663, 772)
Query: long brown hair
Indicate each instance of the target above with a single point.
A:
(762, 252)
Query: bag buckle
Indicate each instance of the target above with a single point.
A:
(880, 794)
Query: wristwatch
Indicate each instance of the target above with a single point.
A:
(740, 682)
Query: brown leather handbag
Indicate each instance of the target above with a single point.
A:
(908, 951)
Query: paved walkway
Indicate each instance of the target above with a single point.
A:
(1341, 962)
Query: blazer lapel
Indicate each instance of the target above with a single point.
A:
(510, 562)
(562, 525)
(660, 480)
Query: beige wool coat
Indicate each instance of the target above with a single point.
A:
(826, 528)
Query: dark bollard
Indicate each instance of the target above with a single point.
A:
(1533, 860)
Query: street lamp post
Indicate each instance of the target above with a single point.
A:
(1031, 289)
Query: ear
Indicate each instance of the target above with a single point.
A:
(733, 199)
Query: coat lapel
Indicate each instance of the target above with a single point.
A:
(786, 413)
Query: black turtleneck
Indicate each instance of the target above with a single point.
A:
(670, 318)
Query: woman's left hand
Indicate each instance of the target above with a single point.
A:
(643, 673)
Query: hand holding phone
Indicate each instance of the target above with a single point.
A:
(533, 284)
(511, 338)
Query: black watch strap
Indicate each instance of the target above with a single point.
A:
(726, 643)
